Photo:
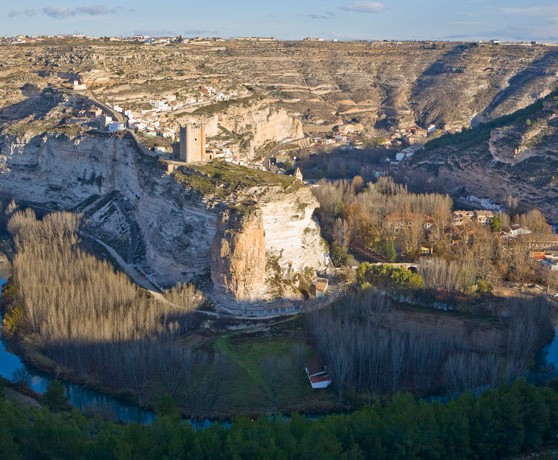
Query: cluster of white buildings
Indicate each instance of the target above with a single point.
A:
(215, 95)
(150, 122)
(485, 203)
(156, 121)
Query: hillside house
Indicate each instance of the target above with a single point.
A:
(94, 112)
(397, 222)
(116, 126)
(466, 217)
(79, 86)
(516, 231)
(426, 250)
(484, 217)
(541, 241)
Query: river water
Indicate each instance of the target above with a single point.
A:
(85, 399)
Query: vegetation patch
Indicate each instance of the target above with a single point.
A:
(271, 372)
(76, 311)
(224, 179)
(220, 107)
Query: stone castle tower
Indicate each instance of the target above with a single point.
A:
(192, 143)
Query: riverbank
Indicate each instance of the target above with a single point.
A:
(245, 394)
(95, 328)
(245, 397)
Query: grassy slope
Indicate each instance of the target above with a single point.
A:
(223, 179)
(250, 391)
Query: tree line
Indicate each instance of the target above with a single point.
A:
(501, 423)
(371, 347)
(77, 311)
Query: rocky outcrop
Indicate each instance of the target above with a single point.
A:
(256, 124)
(291, 234)
(515, 157)
(261, 246)
(168, 230)
(129, 201)
(239, 255)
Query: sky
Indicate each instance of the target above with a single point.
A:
(524, 20)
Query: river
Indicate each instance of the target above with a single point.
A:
(87, 400)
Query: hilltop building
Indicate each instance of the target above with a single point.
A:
(192, 144)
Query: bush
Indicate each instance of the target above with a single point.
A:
(387, 276)
(484, 287)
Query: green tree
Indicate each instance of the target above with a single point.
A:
(387, 249)
(338, 254)
(166, 407)
(496, 224)
(536, 415)
(55, 396)
(387, 276)
(9, 450)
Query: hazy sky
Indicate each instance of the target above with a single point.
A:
(288, 19)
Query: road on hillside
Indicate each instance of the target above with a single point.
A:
(274, 150)
(116, 116)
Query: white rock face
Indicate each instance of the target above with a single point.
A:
(68, 171)
(150, 219)
(143, 213)
(263, 122)
(275, 236)
(290, 231)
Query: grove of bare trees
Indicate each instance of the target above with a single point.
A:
(86, 317)
(370, 347)
(384, 222)
(353, 214)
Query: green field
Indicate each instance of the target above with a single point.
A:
(270, 374)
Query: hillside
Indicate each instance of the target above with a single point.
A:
(377, 83)
(172, 227)
(512, 157)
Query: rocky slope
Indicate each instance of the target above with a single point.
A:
(257, 123)
(514, 156)
(379, 83)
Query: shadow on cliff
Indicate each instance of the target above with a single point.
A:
(36, 106)
(536, 70)
(344, 164)
(449, 63)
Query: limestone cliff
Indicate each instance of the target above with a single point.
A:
(130, 202)
(260, 247)
(256, 124)
(167, 228)
(290, 231)
(238, 260)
